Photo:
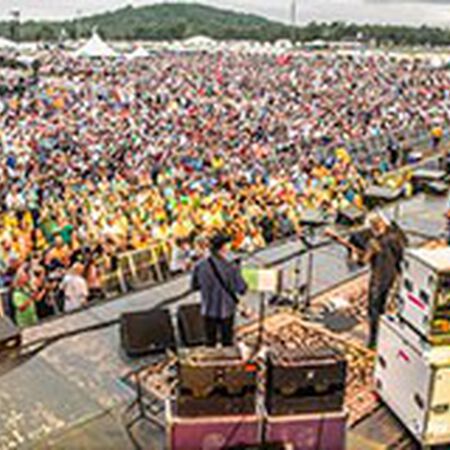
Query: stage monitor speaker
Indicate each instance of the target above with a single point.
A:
(436, 188)
(191, 326)
(350, 216)
(428, 175)
(10, 336)
(146, 332)
(380, 195)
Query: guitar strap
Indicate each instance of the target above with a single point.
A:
(221, 281)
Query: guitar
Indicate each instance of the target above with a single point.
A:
(357, 253)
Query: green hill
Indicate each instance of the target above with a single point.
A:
(182, 20)
(171, 21)
(161, 21)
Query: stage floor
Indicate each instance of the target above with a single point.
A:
(70, 393)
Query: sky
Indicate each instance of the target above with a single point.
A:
(411, 12)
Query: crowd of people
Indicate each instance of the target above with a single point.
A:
(103, 157)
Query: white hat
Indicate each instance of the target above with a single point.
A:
(376, 215)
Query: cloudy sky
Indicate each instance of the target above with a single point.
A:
(416, 12)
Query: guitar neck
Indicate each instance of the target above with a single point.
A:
(345, 243)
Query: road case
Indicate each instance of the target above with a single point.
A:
(413, 378)
(425, 293)
(212, 432)
(326, 431)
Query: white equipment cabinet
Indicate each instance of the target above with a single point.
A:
(413, 379)
(424, 293)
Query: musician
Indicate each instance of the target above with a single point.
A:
(384, 252)
(219, 281)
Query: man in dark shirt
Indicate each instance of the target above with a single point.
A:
(383, 250)
(384, 253)
(219, 282)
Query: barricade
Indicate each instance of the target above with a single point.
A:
(138, 269)
(113, 284)
(146, 266)
(126, 270)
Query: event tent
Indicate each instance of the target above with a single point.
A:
(199, 42)
(7, 44)
(138, 52)
(283, 43)
(96, 48)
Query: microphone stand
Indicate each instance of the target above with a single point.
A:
(261, 319)
(308, 242)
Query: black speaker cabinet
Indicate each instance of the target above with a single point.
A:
(215, 381)
(191, 326)
(305, 381)
(10, 336)
(146, 332)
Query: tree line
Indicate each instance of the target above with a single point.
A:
(181, 21)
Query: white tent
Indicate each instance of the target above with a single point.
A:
(96, 48)
(7, 44)
(283, 43)
(28, 47)
(199, 42)
(436, 62)
(138, 52)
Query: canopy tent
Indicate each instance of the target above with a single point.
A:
(283, 43)
(316, 44)
(7, 44)
(138, 52)
(439, 61)
(199, 42)
(28, 47)
(96, 48)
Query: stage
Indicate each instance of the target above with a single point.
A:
(67, 390)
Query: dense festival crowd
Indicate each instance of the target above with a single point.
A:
(103, 157)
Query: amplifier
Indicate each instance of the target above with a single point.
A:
(215, 381)
(424, 295)
(305, 381)
(325, 431)
(9, 334)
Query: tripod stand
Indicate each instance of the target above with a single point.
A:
(138, 403)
